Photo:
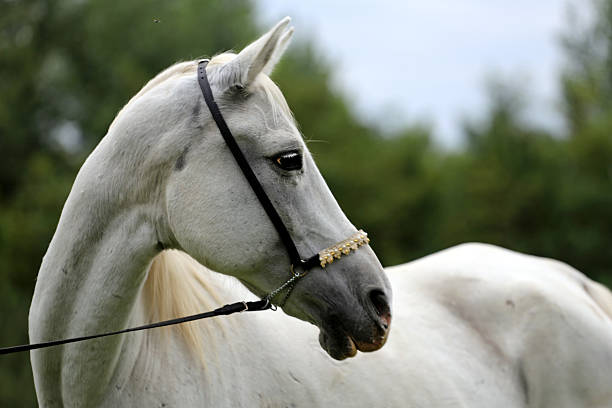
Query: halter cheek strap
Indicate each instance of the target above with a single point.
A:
(285, 237)
(299, 266)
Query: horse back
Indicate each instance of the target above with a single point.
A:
(540, 320)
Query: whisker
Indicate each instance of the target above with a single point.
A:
(308, 141)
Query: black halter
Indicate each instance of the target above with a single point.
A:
(294, 255)
(299, 266)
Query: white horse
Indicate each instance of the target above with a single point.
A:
(473, 326)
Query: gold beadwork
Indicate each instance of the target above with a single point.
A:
(345, 247)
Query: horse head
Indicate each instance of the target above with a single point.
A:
(208, 209)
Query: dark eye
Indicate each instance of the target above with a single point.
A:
(289, 161)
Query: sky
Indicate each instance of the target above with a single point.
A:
(405, 60)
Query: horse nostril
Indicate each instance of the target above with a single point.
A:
(381, 305)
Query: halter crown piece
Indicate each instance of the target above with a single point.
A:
(299, 266)
(324, 257)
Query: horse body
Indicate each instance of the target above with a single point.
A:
(474, 326)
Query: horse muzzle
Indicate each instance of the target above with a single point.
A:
(342, 337)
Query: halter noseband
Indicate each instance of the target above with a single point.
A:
(299, 266)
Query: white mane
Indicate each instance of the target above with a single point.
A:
(176, 286)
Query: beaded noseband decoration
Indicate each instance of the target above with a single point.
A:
(299, 266)
(345, 247)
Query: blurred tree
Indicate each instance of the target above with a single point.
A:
(586, 197)
(513, 184)
(502, 189)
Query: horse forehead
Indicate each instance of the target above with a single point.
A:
(259, 112)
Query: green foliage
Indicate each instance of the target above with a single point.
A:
(67, 67)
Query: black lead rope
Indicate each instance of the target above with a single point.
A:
(263, 304)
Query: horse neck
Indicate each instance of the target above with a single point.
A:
(92, 272)
(216, 354)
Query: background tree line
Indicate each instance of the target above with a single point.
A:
(67, 67)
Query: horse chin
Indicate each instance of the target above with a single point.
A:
(340, 345)
(334, 337)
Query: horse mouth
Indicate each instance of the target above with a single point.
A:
(340, 345)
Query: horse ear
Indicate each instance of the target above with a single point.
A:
(281, 46)
(261, 55)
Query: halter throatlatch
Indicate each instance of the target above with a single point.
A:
(299, 266)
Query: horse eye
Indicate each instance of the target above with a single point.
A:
(289, 161)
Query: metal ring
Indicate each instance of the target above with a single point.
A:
(294, 273)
